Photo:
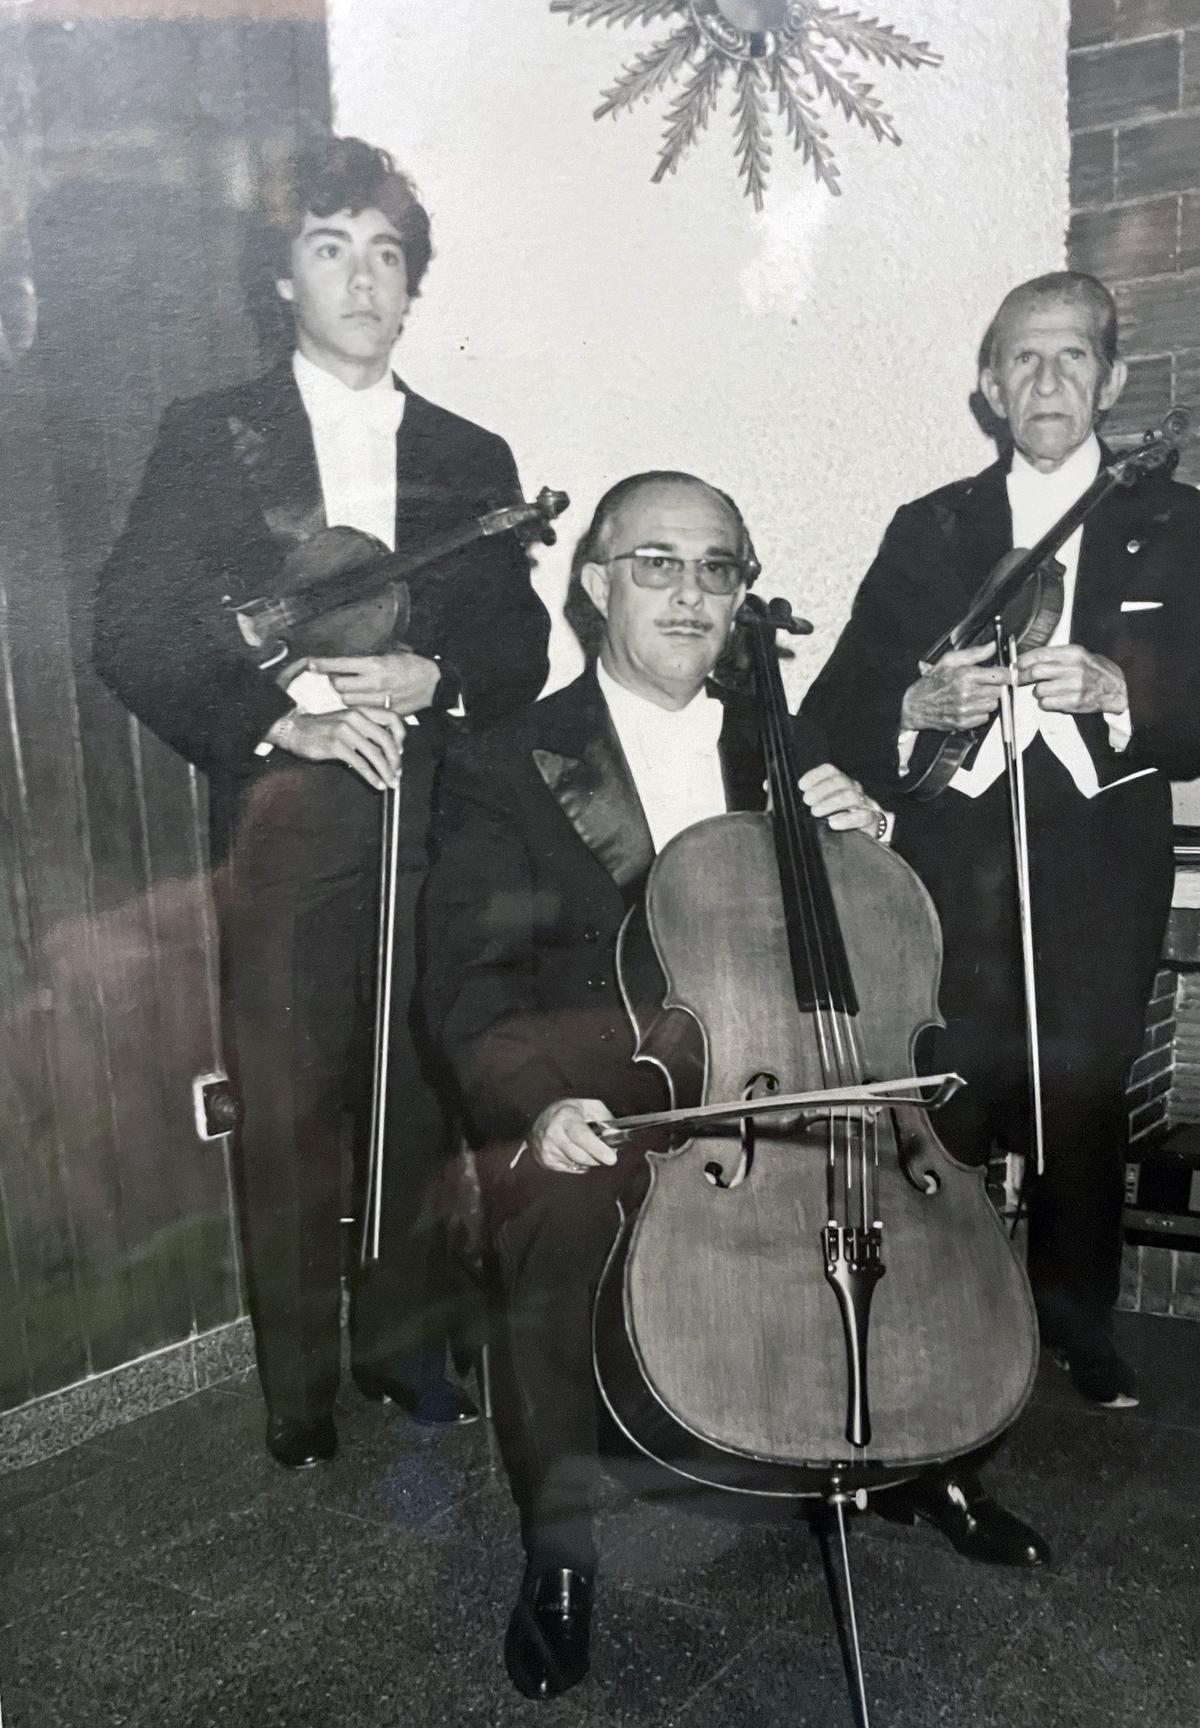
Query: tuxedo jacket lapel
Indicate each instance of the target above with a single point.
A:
(273, 443)
(981, 532)
(578, 757)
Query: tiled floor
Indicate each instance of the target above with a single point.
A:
(169, 1574)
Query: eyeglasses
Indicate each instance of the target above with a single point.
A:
(664, 570)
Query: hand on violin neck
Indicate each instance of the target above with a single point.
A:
(366, 740)
(958, 694)
(401, 680)
(835, 798)
(1069, 679)
(562, 1140)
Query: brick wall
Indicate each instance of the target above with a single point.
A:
(1164, 1090)
(1152, 1076)
(1134, 82)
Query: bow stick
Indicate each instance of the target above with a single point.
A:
(880, 1093)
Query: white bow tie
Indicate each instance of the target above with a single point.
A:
(378, 411)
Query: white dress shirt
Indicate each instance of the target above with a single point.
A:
(354, 432)
(1037, 501)
(354, 435)
(672, 755)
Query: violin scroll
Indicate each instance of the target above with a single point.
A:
(530, 522)
(1160, 448)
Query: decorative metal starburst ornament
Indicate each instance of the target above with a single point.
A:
(787, 53)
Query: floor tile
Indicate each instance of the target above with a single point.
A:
(169, 1575)
(125, 1654)
(1105, 1657)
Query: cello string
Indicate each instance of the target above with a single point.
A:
(843, 1024)
(806, 871)
(785, 826)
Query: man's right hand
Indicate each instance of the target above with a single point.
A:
(368, 740)
(956, 695)
(561, 1140)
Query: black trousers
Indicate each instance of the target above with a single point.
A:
(550, 1235)
(1099, 910)
(298, 909)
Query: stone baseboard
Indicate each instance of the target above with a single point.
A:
(65, 1418)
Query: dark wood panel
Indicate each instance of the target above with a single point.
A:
(116, 1230)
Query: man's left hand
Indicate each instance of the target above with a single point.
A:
(834, 798)
(1072, 680)
(403, 681)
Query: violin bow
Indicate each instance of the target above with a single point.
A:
(385, 963)
(1014, 759)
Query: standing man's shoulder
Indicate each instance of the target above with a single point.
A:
(1181, 502)
(941, 508)
(456, 436)
(223, 417)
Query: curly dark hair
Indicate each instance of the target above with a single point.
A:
(331, 174)
(579, 609)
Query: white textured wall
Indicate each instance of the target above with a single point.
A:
(814, 359)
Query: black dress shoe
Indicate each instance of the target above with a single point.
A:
(546, 1647)
(299, 1445)
(434, 1403)
(967, 1516)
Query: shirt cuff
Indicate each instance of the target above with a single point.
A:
(312, 693)
(447, 695)
(1120, 729)
(905, 744)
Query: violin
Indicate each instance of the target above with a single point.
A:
(1025, 593)
(344, 592)
(814, 1297)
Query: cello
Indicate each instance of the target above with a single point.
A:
(822, 1303)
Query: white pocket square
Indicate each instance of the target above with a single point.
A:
(1140, 605)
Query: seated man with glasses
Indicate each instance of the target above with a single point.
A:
(548, 825)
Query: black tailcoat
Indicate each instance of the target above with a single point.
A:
(1102, 868)
(231, 487)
